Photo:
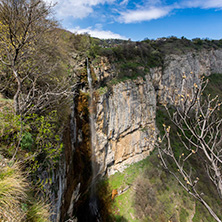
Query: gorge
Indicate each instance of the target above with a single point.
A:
(123, 117)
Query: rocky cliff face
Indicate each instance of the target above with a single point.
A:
(190, 66)
(125, 116)
(125, 124)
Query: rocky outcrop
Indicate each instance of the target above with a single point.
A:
(125, 124)
(104, 70)
(191, 66)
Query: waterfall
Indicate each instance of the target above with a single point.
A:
(93, 199)
(92, 127)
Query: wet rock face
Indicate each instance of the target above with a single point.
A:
(125, 124)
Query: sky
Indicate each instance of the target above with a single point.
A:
(140, 19)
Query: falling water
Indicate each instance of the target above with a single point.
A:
(93, 200)
(92, 126)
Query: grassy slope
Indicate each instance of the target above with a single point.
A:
(154, 195)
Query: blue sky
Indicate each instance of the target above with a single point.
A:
(139, 19)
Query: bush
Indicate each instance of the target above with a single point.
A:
(27, 141)
(145, 198)
(38, 136)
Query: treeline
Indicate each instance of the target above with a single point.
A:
(163, 45)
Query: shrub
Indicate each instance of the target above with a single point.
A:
(145, 198)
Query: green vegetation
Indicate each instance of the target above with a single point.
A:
(154, 195)
(214, 86)
(133, 59)
(183, 215)
(35, 143)
(33, 140)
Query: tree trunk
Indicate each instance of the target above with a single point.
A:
(218, 178)
(16, 96)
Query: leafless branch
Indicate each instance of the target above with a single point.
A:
(200, 133)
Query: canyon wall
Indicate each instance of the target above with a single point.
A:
(125, 114)
(125, 124)
(191, 66)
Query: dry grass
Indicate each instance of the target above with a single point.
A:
(39, 212)
(12, 193)
(15, 203)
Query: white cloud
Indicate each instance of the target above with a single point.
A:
(148, 10)
(154, 9)
(97, 33)
(139, 15)
(124, 2)
(76, 8)
(212, 4)
(205, 4)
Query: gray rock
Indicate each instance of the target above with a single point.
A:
(125, 124)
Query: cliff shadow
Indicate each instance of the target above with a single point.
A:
(98, 208)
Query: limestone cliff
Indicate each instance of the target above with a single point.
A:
(191, 66)
(125, 124)
(125, 115)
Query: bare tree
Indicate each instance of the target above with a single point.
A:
(198, 124)
(28, 56)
